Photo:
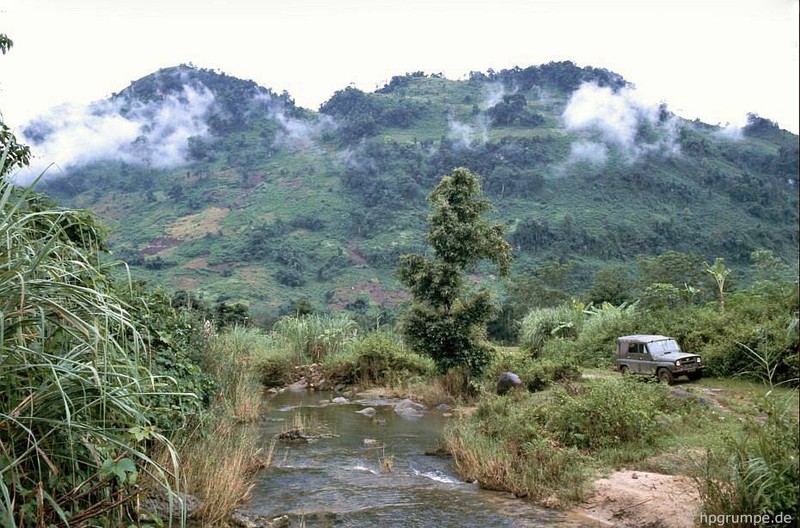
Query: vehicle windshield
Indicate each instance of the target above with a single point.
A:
(663, 347)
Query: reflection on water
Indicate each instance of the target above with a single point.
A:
(337, 481)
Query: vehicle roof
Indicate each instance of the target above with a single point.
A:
(642, 338)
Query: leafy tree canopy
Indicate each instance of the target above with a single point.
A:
(445, 321)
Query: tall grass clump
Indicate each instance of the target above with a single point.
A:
(221, 454)
(218, 467)
(75, 422)
(546, 446)
(543, 324)
(755, 472)
(597, 341)
(608, 413)
(378, 358)
(312, 337)
(504, 445)
(234, 358)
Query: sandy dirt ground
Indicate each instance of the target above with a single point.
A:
(640, 499)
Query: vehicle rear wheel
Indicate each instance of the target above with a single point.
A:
(665, 376)
(624, 370)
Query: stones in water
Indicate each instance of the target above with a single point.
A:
(369, 412)
(410, 410)
(371, 442)
(298, 386)
(296, 436)
(340, 400)
(247, 519)
(507, 381)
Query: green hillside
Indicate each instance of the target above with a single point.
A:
(276, 203)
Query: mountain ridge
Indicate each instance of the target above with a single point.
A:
(276, 203)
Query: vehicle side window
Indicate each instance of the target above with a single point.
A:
(635, 348)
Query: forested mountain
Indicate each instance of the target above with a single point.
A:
(217, 185)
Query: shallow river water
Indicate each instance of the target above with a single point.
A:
(338, 481)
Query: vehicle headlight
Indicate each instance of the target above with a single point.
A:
(699, 360)
(678, 363)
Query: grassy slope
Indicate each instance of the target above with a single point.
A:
(622, 205)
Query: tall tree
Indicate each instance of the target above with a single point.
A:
(446, 321)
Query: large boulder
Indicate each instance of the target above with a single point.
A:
(507, 381)
(410, 410)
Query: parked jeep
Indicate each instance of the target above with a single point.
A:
(656, 355)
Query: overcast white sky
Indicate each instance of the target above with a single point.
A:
(711, 59)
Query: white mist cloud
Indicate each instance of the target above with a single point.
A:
(615, 115)
(154, 133)
(730, 131)
(619, 118)
(466, 135)
(294, 134)
(595, 153)
(298, 134)
(492, 94)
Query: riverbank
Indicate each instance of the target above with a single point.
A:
(636, 498)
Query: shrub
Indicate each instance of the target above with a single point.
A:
(536, 373)
(74, 385)
(504, 446)
(597, 341)
(543, 324)
(606, 413)
(378, 358)
(314, 336)
(755, 472)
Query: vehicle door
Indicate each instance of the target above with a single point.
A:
(641, 362)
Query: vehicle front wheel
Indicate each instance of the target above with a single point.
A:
(665, 376)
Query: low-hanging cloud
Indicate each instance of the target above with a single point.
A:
(588, 151)
(465, 135)
(619, 118)
(730, 131)
(294, 133)
(152, 133)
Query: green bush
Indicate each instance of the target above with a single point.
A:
(536, 373)
(76, 393)
(607, 413)
(597, 341)
(378, 358)
(755, 472)
(543, 324)
(504, 445)
(312, 337)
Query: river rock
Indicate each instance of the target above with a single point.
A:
(443, 407)
(295, 436)
(248, 519)
(371, 442)
(369, 412)
(340, 399)
(507, 381)
(298, 386)
(410, 410)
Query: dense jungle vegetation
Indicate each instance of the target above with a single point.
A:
(279, 247)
